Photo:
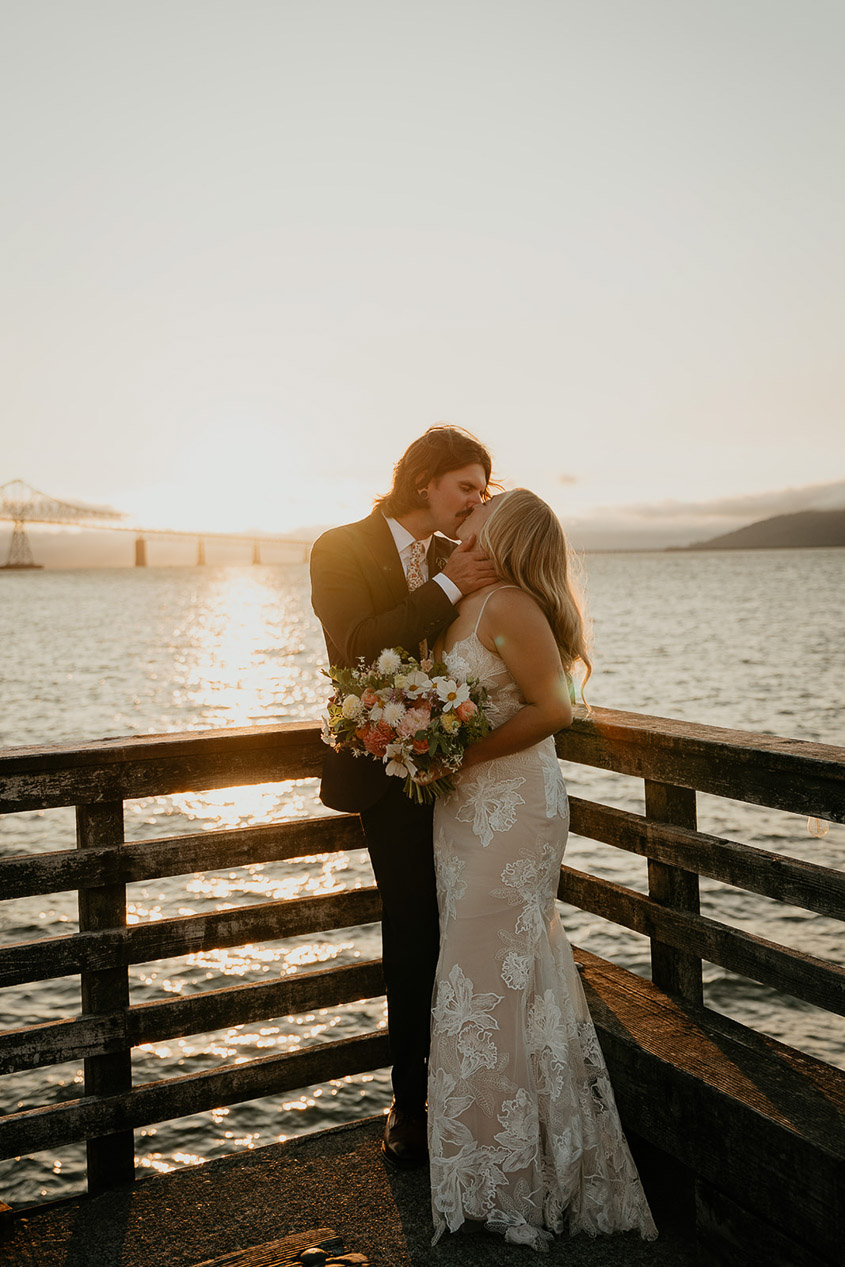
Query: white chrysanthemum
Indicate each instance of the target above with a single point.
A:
(352, 707)
(393, 714)
(389, 661)
(450, 694)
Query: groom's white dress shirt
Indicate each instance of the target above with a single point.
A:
(404, 541)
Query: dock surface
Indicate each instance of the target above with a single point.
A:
(334, 1178)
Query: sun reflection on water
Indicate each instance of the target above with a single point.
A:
(237, 961)
(222, 808)
(225, 650)
(243, 657)
(308, 880)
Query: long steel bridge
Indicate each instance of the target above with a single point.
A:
(21, 505)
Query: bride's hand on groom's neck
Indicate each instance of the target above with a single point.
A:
(469, 567)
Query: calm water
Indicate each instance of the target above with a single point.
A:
(747, 640)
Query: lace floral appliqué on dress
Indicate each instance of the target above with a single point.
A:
(524, 1134)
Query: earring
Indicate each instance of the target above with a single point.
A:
(423, 492)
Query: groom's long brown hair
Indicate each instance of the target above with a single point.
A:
(440, 450)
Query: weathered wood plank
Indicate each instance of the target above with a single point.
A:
(26, 875)
(804, 884)
(124, 769)
(63, 1124)
(790, 774)
(673, 970)
(777, 876)
(111, 1158)
(166, 938)
(802, 976)
(742, 1111)
(74, 1039)
(281, 1253)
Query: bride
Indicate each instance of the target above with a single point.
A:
(524, 1134)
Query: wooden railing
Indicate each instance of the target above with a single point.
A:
(673, 758)
(676, 759)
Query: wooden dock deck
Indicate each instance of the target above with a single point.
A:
(333, 1179)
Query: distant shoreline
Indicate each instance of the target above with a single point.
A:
(803, 530)
(582, 551)
(709, 548)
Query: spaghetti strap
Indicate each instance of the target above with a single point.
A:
(486, 601)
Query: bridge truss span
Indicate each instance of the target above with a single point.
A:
(22, 504)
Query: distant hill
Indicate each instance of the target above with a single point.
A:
(807, 528)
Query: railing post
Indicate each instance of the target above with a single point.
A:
(111, 1158)
(673, 970)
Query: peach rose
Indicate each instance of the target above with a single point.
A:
(377, 738)
(466, 710)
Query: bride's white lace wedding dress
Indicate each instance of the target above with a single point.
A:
(523, 1128)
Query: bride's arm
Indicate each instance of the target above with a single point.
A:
(514, 626)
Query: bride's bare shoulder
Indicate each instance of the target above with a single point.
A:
(510, 599)
(510, 613)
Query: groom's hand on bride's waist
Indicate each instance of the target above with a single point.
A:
(469, 567)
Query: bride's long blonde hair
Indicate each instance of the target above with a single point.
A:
(526, 542)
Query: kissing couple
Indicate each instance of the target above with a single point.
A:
(499, 1082)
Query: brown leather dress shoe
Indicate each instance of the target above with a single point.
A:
(405, 1144)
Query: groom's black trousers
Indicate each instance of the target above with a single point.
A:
(399, 839)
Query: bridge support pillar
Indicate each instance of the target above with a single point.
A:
(200, 553)
(256, 552)
(140, 552)
(20, 552)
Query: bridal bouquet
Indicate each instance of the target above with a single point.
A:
(412, 715)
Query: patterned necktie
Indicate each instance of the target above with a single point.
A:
(415, 579)
(414, 574)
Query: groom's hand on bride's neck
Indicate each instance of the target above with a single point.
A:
(469, 567)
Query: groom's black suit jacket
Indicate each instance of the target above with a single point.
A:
(361, 597)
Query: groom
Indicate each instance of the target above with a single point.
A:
(390, 581)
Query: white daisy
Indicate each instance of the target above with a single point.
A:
(397, 761)
(416, 684)
(451, 695)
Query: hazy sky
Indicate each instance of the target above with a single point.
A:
(252, 248)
